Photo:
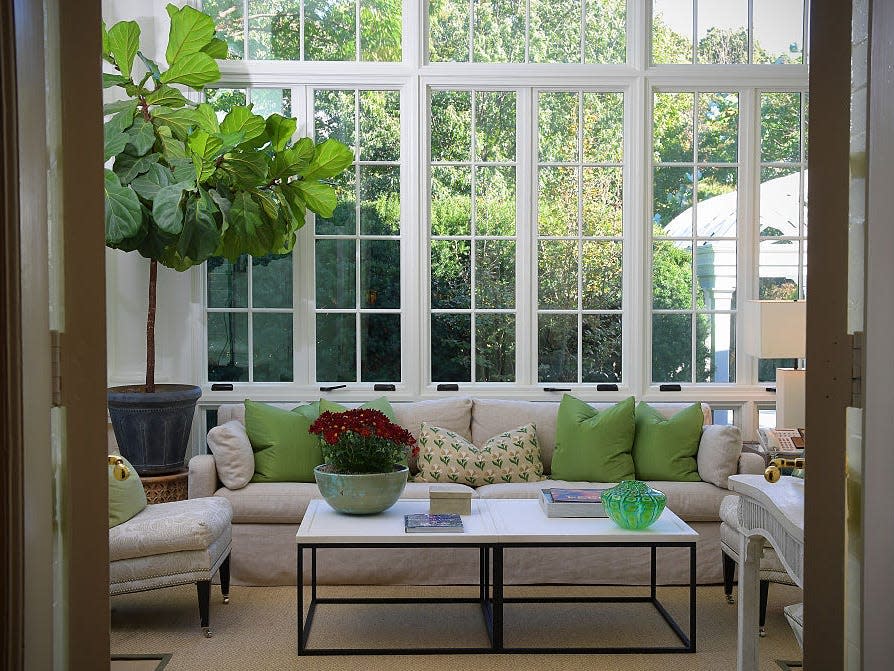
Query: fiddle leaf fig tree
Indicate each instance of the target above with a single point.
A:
(186, 185)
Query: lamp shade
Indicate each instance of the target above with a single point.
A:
(778, 329)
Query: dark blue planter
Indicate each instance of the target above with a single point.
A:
(152, 430)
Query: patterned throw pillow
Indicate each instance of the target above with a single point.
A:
(445, 456)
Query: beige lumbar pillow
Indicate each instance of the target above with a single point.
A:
(445, 456)
(233, 455)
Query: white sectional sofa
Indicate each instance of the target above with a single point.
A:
(266, 515)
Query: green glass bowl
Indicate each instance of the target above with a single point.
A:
(633, 504)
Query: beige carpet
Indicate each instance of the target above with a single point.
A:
(257, 630)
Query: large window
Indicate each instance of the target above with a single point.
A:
(549, 194)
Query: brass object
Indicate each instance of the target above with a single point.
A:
(120, 471)
(774, 470)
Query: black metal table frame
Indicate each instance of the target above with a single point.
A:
(491, 598)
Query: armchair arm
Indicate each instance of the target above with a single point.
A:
(751, 463)
(202, 476)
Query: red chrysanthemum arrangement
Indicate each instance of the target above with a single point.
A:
(362, 441)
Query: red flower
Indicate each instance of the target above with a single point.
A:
(362, 440)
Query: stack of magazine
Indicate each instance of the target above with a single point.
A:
(560, 502)
(422, 523)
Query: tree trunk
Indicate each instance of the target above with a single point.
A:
(150, 328)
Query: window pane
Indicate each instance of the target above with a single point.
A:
(672, 348)
(557, 274)
(223, 100)
(606, 31)
(271, 282)
(380, 347)
(718, 127)
(227, 15)
(717, 202)
(451, 276)
(451, 125)
(557, 348)
(555, 31)
(271, 101)
(603, 127)
(603, 201)
(344, 218)
(274, 29)
(715, 264)
(495, 125)
(272, 347)
(227, 282)
(671, 275)
(380, 30)
(558, 126)
(227, 347)
(334, 115)
(716, 348)
(495, 348)
(329, 30)
(673, 201)
(780, 201)
(449, 30)
(778, 31)
(778, 271)
(335, 274)
(672, 31)
(380, 274)
(722, 31)
(499, 31)
(336, 348)
(557, 202)
(602, 278)
(380, 125)
(379, 200)
(495, 201)
(451, 359)
(780, 127)
(601, 348)
(495, 273)
(673, 127)
(451, 200)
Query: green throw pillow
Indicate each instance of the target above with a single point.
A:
(666, 448)
(593, 445)
(284, 449)
(381, 404)
(126, 497)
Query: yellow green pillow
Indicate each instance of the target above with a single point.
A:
(593, 445)
(126, 497)
(666, 448)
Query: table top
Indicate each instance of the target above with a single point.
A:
(505, 521)
(784, 499)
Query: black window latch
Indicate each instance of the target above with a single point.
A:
(333, 387)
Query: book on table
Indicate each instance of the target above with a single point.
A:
(564, 502)
(422, 523)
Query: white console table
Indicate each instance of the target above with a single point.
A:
(774, 512)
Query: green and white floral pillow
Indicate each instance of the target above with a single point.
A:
(445, 456)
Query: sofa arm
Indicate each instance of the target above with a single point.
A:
(751, 463)
(202, 476)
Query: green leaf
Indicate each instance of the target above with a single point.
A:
(204, 149)
(206, 118)
(249, 169)
(128, 167)
(109, 80)
(167, 96)
(123, 214)
(319, 197)
(148, 184)
(141, 136)
(294, 160)
(191, 31)
(293, 202)
(230, 140)
(245, 213)
(170, 147)
(151, 67)
(183, 168)
(166, 211)
(105, 42)
(114, 140)
(124, 41)
(180, 121)
(200, 235)
(241, 118)
(330, 159)
(216, 48)
(280, 130)
(194, 70)
(119, 106)
(122, 120)
(268, 204)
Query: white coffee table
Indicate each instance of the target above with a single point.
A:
(494, 526)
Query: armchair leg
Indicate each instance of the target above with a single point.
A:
(203, 589)
(225, 579)
(729, 567)
(765, 593)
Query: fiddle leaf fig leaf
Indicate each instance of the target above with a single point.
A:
(331, 157)
(191, 31)
(280, 130)
(105, 42)
(249, 169)
(180, 121)
(206, 118)
(123, 213)
(122, 120)
(114, 140)
(203, 149)
(319, 197)
(151, 67)
(119, 106)
(241, 118)
(171, 148)
(124, 41)
(293, 201)
(167, 96)
(200, 235)
(166, 210)
(148, 184)
(110, 80)
(141, 136)
(216, 48)
(128, 167)
(294, 160)
(194, 70)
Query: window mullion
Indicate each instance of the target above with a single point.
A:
(304, 271)
(747, 248)
(526, 233)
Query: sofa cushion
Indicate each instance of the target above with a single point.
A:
(270, 502)
(665, 447)
(493, 416)
(718, 453)
(453, 414)
(126, 497)
(593, 445)
(284, 450)
(233, 456)
(445, 456)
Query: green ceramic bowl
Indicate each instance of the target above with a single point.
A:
(633, 504)
(362, 493)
